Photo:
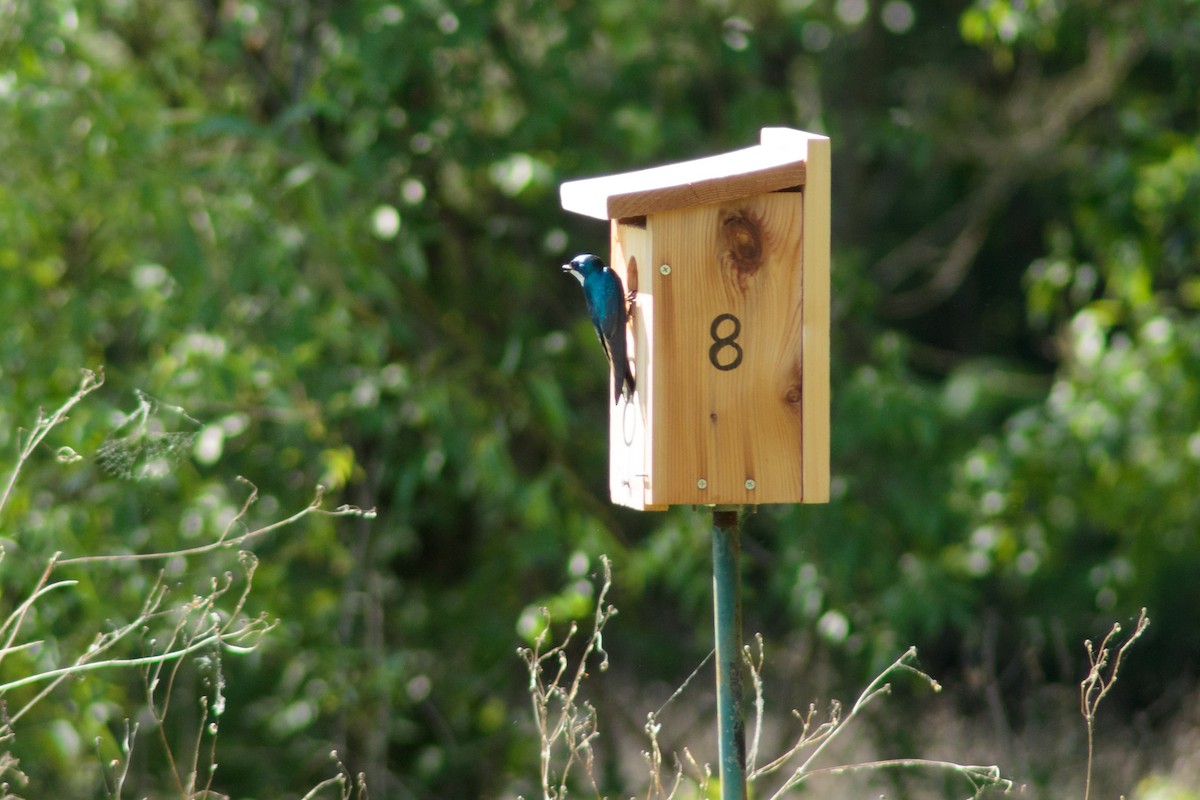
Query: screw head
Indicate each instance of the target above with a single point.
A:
(702, 484)
(665, 269)
(750, 484)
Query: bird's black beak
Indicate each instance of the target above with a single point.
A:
(566, 267)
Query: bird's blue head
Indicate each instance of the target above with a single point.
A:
(583, 265)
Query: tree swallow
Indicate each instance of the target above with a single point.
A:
(605, 297)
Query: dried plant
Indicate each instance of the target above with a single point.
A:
(686, 765)
(1100, 679)
(26, 444)
(347, 785)
(816, 737)
(10, 771)
(202, 628)
(567, 725)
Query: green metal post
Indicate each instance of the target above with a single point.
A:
(727, 614)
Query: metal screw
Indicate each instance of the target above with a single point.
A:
(665, 269)
(750, 483)
(702, 484)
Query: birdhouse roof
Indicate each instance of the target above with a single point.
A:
(776, 163)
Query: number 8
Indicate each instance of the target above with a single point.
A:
(722, 342)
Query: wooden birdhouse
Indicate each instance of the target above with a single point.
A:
(729, 330)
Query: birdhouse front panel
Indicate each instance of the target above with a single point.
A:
(729, 329)
(718, 329)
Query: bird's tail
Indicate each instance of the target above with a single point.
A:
(623, 384)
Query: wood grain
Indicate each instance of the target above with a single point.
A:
(717, 428)
(729, 333)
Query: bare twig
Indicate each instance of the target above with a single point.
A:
(227, 541)
(240, 640)
(207, 625)
(754, 667)
(567, 726)
(654, 757)
(820, 736)
(1096, 685)
(980, 777)
(91, 381)
(9, 766)
(564, 723)
(348, 785)
(121, 766)
(654, 761)
(12, 625)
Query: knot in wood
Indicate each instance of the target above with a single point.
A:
(741, 246)
(794, 391)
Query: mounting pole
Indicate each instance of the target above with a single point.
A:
(727, 614)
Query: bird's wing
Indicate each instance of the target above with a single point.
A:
(613, 303)
(605, 306)
(603, 339)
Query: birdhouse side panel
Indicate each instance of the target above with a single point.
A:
(817, 267)
(726, 345)
(629, 425)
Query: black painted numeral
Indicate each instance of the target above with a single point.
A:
(720, 343)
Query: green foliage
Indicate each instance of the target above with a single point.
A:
(319, 242)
